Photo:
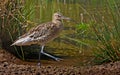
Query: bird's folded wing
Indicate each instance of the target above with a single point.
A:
(40, 31)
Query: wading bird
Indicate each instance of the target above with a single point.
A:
(42, 34)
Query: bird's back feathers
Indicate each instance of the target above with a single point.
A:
(40, 34)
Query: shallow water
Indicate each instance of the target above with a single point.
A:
(81, 11)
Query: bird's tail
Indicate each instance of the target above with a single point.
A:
(12, 44)
(22, 41)
(16, 42)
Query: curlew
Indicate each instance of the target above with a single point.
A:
(42, 34)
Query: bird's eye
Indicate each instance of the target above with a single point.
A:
(59, 15)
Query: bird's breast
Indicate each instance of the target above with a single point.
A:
(54, 33)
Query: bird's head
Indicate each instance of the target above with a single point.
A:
(59, 17)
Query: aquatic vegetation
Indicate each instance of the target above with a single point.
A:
(108, 36)
(97, 31)
(10, 21)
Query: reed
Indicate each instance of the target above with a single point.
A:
(18, 16)
(12, 21)
(108, 36)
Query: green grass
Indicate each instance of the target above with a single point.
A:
(98, 25)
(108, 35)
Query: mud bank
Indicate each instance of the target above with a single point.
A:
(9, 66)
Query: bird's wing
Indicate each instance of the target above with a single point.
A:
(40, 31)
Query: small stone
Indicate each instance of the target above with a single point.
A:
(5, 64)
(38, 73)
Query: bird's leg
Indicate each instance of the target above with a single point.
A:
(41, 50)
(53, 57)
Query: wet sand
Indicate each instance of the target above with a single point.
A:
(10, 65)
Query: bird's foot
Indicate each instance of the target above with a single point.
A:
(58, 59)
(39, 64)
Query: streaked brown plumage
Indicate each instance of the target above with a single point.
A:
(43, 33)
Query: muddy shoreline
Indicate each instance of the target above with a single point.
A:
(9, 66)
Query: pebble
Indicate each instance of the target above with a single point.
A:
(8, 68)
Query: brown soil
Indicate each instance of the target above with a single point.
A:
(10, 65)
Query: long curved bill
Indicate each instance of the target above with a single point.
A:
(66, 18)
